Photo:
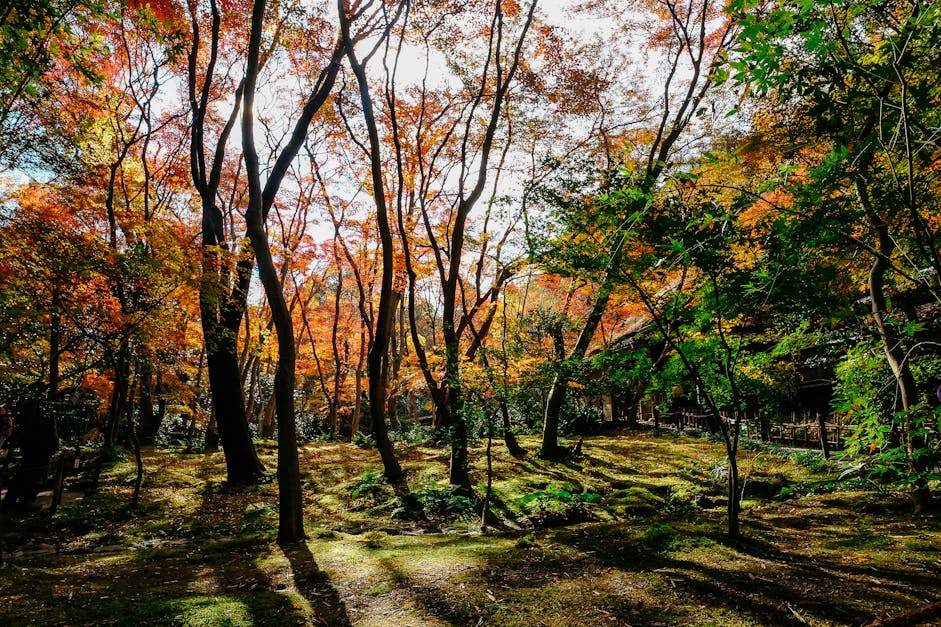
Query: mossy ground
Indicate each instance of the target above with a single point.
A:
(647, 546)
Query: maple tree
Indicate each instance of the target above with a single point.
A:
(225, 275)
(444, 136)
(395, 220)
(121, 175)
(52, 271)
(863, 78)
(43, 43)
(692, 39)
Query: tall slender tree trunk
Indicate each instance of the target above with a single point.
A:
(383, 320)
(290, 504)
(735, 491)
(921, 496)
(550, 423)
(222, 292)
(358, 385)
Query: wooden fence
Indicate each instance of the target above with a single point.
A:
(798, 429)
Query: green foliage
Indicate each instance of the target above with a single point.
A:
(373, 539)
(812, 460)
(584, 420)
(364, 440)
(369, 485)
(312, 427)
(443, 503)
(414, 434)
(635, 501)
(659, 537)
(558, 505)
(587, 210)
(866, 396)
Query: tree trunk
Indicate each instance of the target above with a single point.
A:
(396, 346)
(509, 439)
(211, 439)
(149, 426)
(383, 320)
(38, 443)
(290, 503)
(550, 425)
(132, 430)
(920, 493)
(267, 418)
(222, 293)
(735, 495)
(119, 392)
(358, 386)
(228, 406)
(822, 432)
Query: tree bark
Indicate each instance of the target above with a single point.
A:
(290, 505)
(550, 424)
(228, 406)
(383, 320)
(922, 500)
(149, 426)
(222, 292)
(693, 44)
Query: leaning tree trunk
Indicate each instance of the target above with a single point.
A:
(550, 425)
(922, 500)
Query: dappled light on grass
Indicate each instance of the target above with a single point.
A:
(212, 611)
(652, 549)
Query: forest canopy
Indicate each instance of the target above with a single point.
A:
(225, 222)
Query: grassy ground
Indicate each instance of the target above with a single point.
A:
(629, 533)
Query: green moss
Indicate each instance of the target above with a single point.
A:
(658, 559)
(920, 544)
(635, 501)
(212, 612)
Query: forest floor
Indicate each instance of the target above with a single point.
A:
(631, 532)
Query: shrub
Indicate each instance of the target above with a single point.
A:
(363, 440)
(441, 503)
(659, 537)
(369, 485)
(558, 505)
(812, 460)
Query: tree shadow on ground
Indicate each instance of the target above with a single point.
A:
(209, 565)
(759, 579)
(246, 578)
(209, 585)
(327, 608)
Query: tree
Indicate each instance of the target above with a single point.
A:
(53, 278)
(692, 38)
(858, 70)
(448, 135)
(44, 43)
(260, 200)
(120, 172)
(224, 285)
(383, 319)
